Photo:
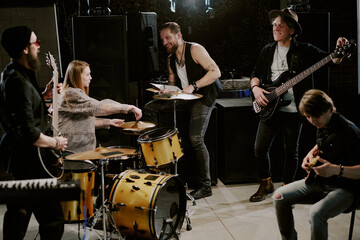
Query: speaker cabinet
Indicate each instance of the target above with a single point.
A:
(142, 50)
(142, 44)
(101, 41)
(122, 52)
(319, 23)
(237, 125)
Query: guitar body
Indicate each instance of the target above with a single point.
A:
(267, 112)
(52, 162)
(310, 178)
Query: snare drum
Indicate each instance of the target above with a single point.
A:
(141, 202)
(84, 171)
(160, 147)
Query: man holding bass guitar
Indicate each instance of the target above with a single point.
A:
(277, 62)
(335, 162)
(25, 108)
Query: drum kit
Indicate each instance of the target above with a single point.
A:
(140, 199)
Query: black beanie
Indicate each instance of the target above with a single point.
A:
(15, 39)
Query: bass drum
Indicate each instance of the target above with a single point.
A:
(148, 206)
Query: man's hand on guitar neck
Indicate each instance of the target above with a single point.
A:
(341, 41)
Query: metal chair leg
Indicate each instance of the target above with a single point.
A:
(352, 223)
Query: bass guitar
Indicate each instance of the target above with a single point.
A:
(50, 158)
(287, 80)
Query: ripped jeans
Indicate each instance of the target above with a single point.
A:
(328, 202)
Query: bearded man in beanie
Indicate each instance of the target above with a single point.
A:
(25, 108)
(284, 54)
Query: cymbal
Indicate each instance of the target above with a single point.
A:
(137, 126)
(102, 153)
(177, 95)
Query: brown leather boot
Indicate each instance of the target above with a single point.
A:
(266, 187)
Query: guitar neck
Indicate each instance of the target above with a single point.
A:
(55, 106)
(298, 78)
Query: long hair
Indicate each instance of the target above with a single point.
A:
(73, 75)
(315, 102)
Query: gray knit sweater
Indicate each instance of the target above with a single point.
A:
(77, 113)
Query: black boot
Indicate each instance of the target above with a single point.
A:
(266, 187)
(204, 191)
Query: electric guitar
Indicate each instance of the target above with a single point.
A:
(287, 80)
(50, 158)
(322, 147)
(313, 163)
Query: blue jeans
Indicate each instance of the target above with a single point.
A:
(328, 203)
(290, 125)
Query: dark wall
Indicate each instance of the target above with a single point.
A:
(233, 34)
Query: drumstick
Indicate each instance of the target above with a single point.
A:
(135, 125)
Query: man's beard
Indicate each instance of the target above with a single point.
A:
(34, 62)
(173, 49)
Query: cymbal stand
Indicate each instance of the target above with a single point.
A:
(191, 198)
(174, 107)
(103, 210)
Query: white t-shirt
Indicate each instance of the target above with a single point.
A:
(279, 66)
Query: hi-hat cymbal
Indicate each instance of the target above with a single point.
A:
(137, 126)
(102, 153)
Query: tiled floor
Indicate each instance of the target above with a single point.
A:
(228, 215)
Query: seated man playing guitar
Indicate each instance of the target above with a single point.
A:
(278, 61)
(336, 179)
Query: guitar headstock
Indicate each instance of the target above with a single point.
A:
(344, 51)
(50, 61)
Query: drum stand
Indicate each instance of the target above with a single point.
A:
(187, 215)
(103, 210)
(175, 164)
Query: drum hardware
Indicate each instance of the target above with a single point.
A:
(169, 222)
(103, 210)
(175, 97)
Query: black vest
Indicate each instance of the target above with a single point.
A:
(194, 72)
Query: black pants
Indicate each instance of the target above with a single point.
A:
(49, 215)
(290, 125)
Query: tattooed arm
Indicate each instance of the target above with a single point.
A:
(202, 57)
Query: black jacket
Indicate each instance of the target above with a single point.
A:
(299, 57)
(25, 108)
